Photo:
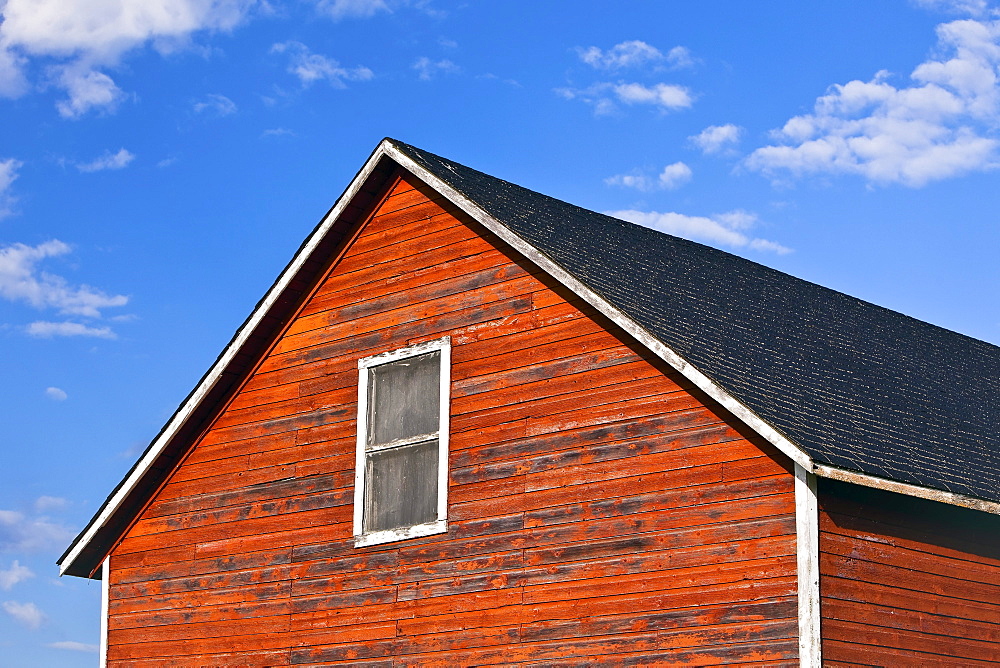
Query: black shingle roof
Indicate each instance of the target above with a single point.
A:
(855, 385)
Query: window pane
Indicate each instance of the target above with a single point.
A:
(404, 398)
(401, 486)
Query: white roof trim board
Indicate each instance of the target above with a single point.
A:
(388, 150)
(662, 351)
(185, 410)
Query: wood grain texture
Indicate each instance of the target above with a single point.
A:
(601, 512)
(906, 581)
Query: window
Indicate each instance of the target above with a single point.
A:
(401, 474)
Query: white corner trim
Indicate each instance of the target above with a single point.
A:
(807, 563)
(251, 324)
(700, 380)
(105, 595)
(865, 480)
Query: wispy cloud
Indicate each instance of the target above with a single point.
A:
(43, 329)
(605, 96)
(278, 132)
(634, 53)
(342, 9)
(311, 67)
(667, 96)
(108, 160)
(87, 38)
(363, 9)
(27, 614)
(56, 394)
(725, 229)
(44, 504)
(74, 646)
(29, 533)
(673, 176)
(941, 125)
(8, 172)
(86, 89)
(427, 68)
(16, 573)
(22, 280)
(965, 7)
(218, 105)
(715, 138)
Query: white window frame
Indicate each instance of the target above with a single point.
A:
(439, 525)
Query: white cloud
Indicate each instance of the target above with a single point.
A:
(220, 105)
(426, 68)
(636, 180)
(86, 89)
(278, 132)
(16, 573)
(942, 125)
(634, 53)
(21, 533)
(8, 172)
(108, 160)
(341, 9)
(603, 96)
(969, 7)
(21, 280)
(312, 67)
(56, 394)
(74, 646)
(716, 137)
(84, 37)
(43, 329)
(667, 96)
(26, 613)
(12, 80)
(673, 176)
(363, 9)
(726, 229)
(46, 503)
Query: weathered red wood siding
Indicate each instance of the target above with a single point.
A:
(599, 512)
(905, 581)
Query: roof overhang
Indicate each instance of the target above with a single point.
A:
(88, 550)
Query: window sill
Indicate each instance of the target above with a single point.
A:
(402, 533)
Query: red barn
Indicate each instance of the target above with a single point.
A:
(471, 424)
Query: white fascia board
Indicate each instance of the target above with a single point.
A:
(865, 480)
(664, 352)
(196, 397)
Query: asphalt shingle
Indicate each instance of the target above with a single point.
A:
(855, 385)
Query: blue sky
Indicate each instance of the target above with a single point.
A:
(161, 160)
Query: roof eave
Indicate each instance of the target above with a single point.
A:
(907, 489)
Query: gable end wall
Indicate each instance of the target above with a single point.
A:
(599, 508)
